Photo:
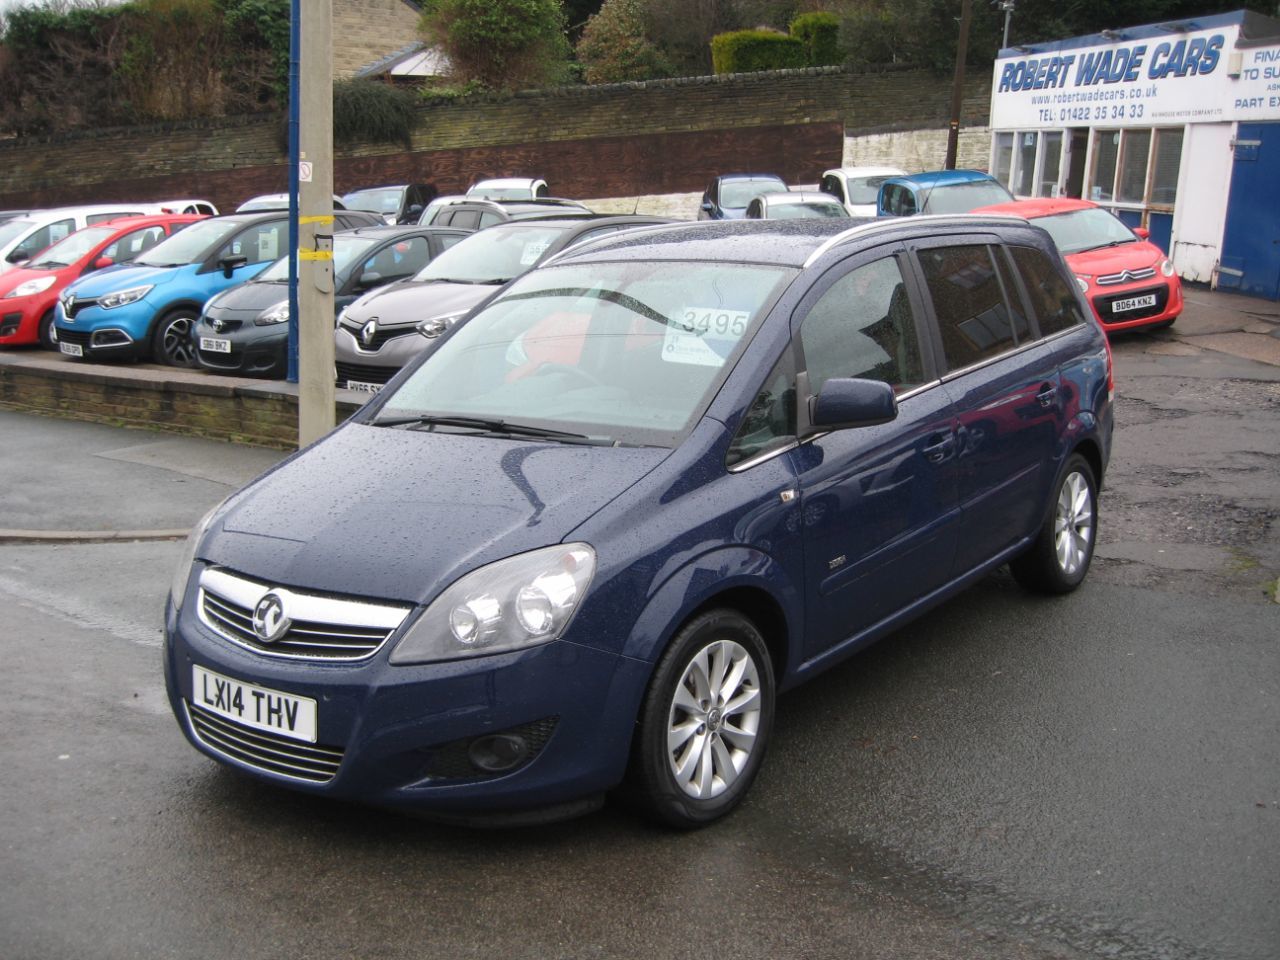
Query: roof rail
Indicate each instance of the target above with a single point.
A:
(883, 222)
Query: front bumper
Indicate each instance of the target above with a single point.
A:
(402, 736)
(254, 351)
(1168, 305)
(117, 334)
(20, 320)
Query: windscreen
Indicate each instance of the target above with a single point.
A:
(1085, 230)
(71, 248)
(630, 352)
(738, 193)
(384, 200)
(494, 255)
(189, 245)
(865, 189)
(964, 197)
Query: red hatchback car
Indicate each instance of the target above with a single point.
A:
(1128, 280)
(29, 293)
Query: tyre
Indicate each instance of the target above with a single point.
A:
(171, 339)
(44, 332)
(704, 723)
(1059, 558)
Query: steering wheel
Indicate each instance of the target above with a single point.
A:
(583, 375)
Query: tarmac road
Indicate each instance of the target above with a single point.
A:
(1091, 776)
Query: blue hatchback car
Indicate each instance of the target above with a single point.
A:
(148, 308)
(581, 546)
(939, 191)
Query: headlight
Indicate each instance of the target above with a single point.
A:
(518, 602)
(1166, 267)
(436, 326)
(1082, 281)
(132, 295)
(31, 286)
(178, 587)
(277, 314)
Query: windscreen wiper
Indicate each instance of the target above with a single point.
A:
(490, 426)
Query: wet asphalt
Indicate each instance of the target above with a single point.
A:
(1090, 776)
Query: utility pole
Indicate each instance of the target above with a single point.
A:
(957, 86)
(312, 173)
(1007, 7)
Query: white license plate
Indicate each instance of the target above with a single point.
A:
(214, 345)
(1133, 303)
(71, 349)
(361, 387)
(259, 707)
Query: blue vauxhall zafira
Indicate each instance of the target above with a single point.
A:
(578, 548)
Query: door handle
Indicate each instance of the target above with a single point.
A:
(1046, 395)
(939, 447)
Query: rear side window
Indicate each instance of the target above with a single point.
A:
(973, 317)
(863, 326)
(1051, 299)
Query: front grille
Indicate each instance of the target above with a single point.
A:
(319, 627)
(73, 305)
(380, 336)
(264, 751)
(363, 374)
(1103, 304)
(1126, 276)
(81, 337)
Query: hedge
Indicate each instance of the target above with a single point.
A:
(820, 34)
(749, 51)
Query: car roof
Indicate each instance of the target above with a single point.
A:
(736, 177)
(1038, 207)
(939, 178)
(868, 171)
(128, 222)
(507, 182)
(793, 243)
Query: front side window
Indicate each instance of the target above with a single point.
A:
(863, 326)
(831, 185)
(628, 352)
(263, 241)
(969, 302)
(131, 244)
(770, 421)
(1052, 300)
(46, 235)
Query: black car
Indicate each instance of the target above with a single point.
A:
(400, 203)
(475, 214)
(245, 330)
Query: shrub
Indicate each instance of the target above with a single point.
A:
(748, 51)
(368, 111)
(615, 48)
(504, 44)
(820, 34)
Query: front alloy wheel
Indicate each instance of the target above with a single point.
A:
(704, 723)
(171, 342)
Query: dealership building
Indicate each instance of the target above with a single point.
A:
(1172, 126)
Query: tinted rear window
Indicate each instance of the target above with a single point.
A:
(973, 317)
(1051, 299)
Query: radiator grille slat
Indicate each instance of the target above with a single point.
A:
(264, 751)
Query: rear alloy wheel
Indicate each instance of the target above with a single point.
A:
(1059, 558)
(705, 721)
(171, 341)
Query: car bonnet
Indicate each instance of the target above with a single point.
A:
(399, 514)
(409, 301)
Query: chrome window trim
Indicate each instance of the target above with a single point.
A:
(308, 607)
(794, 443)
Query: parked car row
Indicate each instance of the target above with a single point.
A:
(179, 301)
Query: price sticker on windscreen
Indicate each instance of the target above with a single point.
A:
(703, 336)
(532, 251)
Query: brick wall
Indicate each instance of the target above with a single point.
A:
(365, 31)
(195, 404)
(615, 140)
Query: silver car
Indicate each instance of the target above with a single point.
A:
(388, 327)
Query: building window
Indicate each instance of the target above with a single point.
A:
(1166, 160)
(1002, 167)
(1024, 171)
(1106, 150)
(1134, 154)
(1050, 163)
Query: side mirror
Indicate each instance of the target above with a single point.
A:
(369, 279)
(229, 264)
(414, 211)
(17, 256)
(102, 262)
(707, 205)
(845, 403)
(1142, 232)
